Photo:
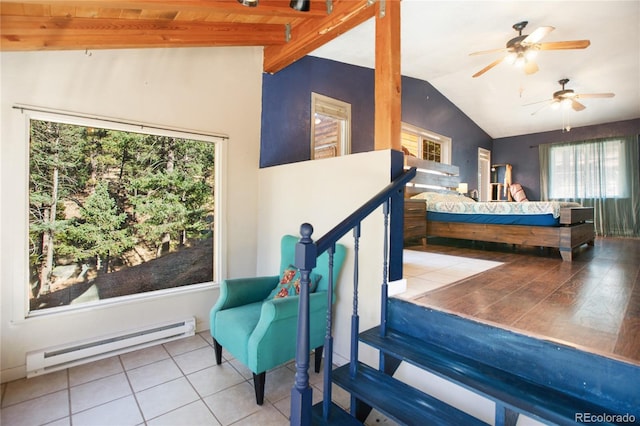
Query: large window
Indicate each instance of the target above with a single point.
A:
(330, 127)
(599, 173)
(116, 213)
(425, 144)
(588, 170)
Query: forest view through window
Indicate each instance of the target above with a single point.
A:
(115, 213)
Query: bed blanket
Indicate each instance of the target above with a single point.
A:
(531, 207)
(452, 203)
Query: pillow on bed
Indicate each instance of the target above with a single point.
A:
(517, 193)
(437, 197)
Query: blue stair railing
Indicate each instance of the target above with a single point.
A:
(307, 251)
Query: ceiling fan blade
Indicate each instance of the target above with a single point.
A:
(543, 107)
(562, 45)
(538, 34)
(483, 52)
(595, 95)
(531, 67)
(577, 106)
(488, 67)
(539, 102)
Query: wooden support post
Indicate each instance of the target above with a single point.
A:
(388, 78)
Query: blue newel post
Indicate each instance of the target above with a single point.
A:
(301, 393)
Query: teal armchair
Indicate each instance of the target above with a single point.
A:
(261, 332)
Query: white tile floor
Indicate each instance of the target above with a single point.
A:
(179, 384)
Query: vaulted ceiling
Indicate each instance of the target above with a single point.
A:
(437, 38)
(286, 34)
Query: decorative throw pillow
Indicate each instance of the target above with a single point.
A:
(517, 193)
(289, 284)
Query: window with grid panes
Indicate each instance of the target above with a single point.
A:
(426, 144)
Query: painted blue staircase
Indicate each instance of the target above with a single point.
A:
(551, 382)
(554, 383)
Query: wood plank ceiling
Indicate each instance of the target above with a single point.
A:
(286, 34)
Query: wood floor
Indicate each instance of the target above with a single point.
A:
(592, 302)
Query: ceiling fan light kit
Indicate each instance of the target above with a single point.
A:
(522, 50)
(568, 98)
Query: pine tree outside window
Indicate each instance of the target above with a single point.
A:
(116, 213)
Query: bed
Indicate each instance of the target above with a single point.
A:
(564, 226)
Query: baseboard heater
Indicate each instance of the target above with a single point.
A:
(61, 357)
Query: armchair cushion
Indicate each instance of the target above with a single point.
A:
(244, 319)
(273, 342)
(289, 284)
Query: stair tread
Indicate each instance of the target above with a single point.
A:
(512, 390)
(337, 416)
(397, 400)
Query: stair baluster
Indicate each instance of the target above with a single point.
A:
(385, 271)
(328, 340)
(384, 290)
(355, 320)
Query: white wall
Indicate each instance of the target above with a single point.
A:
(323, 192)
(335, 188)
(215, 90)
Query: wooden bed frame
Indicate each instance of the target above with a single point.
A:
(576, 223)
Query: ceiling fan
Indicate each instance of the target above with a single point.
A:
(522, 49)
(568, 98)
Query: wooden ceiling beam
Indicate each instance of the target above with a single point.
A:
(308, 36)
(266, 8)
(35, 33)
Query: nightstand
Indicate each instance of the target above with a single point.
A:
(415, 220)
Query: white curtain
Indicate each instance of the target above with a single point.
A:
(601, 173)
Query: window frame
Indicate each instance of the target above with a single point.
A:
(578, 167)
(334, 108)
(22, 303)
(445, 142)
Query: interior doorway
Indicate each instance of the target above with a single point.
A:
(484, 174)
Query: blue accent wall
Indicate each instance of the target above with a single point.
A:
(286, 125)
(286, 107)
(425, 107)
(522, 151)
(286, 113)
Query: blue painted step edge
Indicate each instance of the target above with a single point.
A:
(605, 381)
(513, 391)
(337, 416)
(397, 400)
